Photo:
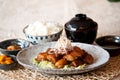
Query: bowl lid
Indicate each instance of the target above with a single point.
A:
(80, 22)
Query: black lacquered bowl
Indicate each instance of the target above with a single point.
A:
(81, 29)
(20, 42)
(110, 43)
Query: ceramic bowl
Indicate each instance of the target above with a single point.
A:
(110, 43)
(9, 66)
(45, 38)
(25, 58)
(19, 42)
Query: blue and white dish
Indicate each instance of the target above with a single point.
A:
(36, 39)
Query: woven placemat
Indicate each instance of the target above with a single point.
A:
(107, 72)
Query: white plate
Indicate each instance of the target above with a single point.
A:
(26, 56)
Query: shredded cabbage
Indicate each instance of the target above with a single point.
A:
(44, 64)
(47, 64)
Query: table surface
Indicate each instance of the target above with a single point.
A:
(16, 14)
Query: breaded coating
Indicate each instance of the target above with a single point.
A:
(42, 56)
(60, 63)
(88, 59)
(52, 58)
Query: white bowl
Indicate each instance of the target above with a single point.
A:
(36, 39)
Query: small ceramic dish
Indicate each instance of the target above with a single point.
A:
(19, 42)
(9, 66)
(36, 39)
(110, 43)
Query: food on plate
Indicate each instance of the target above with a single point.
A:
(13, 47)
(64, 55)
(42, 28)
(5, 59)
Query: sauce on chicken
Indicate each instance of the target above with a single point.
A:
(73, 58)
(65, 54)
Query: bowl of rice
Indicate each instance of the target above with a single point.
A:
(41, 32)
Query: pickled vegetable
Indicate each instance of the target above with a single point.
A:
(13, 47)
(5, 59)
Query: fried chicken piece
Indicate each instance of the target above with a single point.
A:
(78, 50)
(52, 58)
(76, 63)
(88, 59)
(42, 56)
(73, 55)
(60, 63)
(69, 57)
(59, 56)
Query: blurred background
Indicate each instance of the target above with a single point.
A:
(16, 14)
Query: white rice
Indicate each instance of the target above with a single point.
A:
(42, 28)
